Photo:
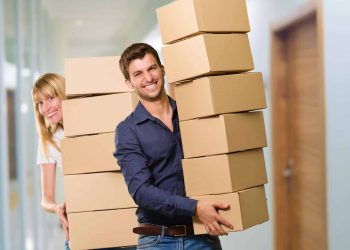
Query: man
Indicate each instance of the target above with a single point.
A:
(149, 151)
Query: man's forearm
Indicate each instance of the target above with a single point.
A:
(153, 198)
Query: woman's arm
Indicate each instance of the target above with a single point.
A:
(48, 201)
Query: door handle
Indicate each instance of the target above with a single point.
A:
(288, 173)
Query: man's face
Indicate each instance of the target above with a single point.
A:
(146, 78)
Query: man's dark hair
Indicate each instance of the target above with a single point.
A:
(135, 51)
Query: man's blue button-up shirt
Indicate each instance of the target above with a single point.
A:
(149, 155)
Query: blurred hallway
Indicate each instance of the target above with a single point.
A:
(37, 35)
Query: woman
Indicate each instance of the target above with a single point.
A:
(48, 93)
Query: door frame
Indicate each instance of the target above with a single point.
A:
(279, 111)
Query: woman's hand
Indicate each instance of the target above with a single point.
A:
(48, 202)
(62, 215)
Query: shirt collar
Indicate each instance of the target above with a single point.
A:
(141, 114)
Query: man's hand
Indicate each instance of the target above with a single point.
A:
(206, 212)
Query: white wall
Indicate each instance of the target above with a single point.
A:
(261, 15)
(337, 88)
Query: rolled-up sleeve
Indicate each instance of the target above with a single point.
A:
(138, 177)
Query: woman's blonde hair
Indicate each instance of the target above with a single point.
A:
(53, 85)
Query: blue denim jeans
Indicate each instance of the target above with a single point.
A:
(194, 242)
(66, 245)
(119, 248)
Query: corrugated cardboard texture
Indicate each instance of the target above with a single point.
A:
(207, 54)
(94, 75)
(88, 154)
(102, 229)
(98, 114)
(224, 173)
(223, 134)
(214, 95)
(247, 208)
(184, 18)
(99, 191)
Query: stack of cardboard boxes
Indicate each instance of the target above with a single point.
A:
(100, 211)
(207, 54)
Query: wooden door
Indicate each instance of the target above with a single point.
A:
(298, 129)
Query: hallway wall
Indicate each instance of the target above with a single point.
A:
(337, 89)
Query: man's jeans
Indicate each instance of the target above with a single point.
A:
(194, 242)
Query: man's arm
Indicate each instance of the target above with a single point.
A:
(139, 179)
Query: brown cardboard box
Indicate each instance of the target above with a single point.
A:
(223, 134)
(102, 229)
(185, 18)
(98, 114)
(88, 154)
(247, 208)
(224, 173)
(94, 75)
(98, 191)
(214, 95)
(207, 54)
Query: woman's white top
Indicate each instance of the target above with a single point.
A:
(54, 156)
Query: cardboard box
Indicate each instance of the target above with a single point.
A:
(94, 75)
(225, 173)
(88, 154)
(207, 54)
(247, 208)
(184, 18)
(99, 191)
(102, 229)
(98, 114)
(223, 134)
(214, 95)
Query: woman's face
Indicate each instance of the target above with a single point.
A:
(51, 108)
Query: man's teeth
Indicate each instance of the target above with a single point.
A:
(150, 86)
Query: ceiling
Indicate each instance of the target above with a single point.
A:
(104, 27)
